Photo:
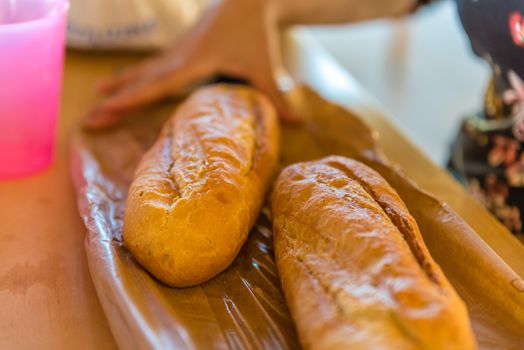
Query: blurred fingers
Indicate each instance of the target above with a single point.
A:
(140, 93)
(131, 74)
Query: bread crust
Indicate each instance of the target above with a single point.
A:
(198, 190)
(354, 268)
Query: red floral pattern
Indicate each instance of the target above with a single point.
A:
(504, 151)
(516, 27)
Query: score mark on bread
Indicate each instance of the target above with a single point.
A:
(198, 190)
(354, 268)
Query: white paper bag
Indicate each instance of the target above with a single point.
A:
(129, 24)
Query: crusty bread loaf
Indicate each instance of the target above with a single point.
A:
(199, 189)
(354, 268)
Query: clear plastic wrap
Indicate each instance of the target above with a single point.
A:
(244, 308)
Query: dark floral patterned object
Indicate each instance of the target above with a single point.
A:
(488, 153)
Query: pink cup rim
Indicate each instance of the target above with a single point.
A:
(63, 6)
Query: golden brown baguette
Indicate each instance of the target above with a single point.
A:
(354, 268)
(199, 189)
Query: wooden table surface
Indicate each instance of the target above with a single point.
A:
(47, 299)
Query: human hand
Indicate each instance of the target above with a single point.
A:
(234, 38)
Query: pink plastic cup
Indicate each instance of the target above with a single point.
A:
(31, 65)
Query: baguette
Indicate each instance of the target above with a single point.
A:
(354, 268)
(198, 190)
